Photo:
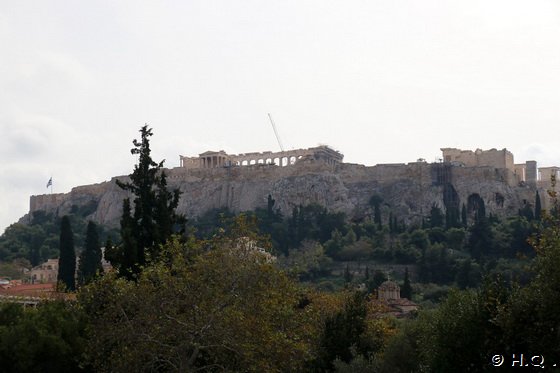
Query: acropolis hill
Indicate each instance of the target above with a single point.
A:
(243, 182)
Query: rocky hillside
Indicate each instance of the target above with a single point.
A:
(407, 191)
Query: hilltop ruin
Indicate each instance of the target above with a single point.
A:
(242, 182)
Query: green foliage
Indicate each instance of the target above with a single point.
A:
(154, 218)
(206, 305)
(14, 269)
(211, 222)
(538, 206)
(468, 274)
(49, 338)
(455, 238)
(419, 239)
(348, 276)
(34, 242)
(464, 221)
(67, 258)
(406, 289)
(377, 279)
(462, 331)
(307, 262)
(402, 353)
(527, 212)
(90, 258)
(437, 219)
(532, 319)
(39, 240)
(480, 238)
(342, 333)
(375, 201)
(353, 335)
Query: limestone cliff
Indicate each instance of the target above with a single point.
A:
(408, 191)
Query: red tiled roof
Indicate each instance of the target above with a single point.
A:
(27, 289)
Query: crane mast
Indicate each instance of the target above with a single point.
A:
(275, 132)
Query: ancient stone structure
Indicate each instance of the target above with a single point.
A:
(46, 272)
(389, 290)
(243, 182)
(547, 173)
(492, 158)
(390, 294)
(213, 159)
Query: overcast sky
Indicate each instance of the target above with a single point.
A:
(381, 81)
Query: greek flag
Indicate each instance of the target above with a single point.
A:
(49, 183)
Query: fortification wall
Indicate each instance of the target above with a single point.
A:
(408, 190)
(492, 158)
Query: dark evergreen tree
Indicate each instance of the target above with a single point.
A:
(154, 218)
(406, 290)
(480, 239)
(452, 217)
(347, 275)
(480, 211)
(378, 278)
(128, 258)
(343, 332)
(90, 258)
(67, 258)
(437, 218)
(464, 215)
(375, 201)
(527, 212)
(538, 207)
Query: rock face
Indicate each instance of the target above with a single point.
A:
(408, 191)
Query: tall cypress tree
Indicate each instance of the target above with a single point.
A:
(538, 207)
(67, 257)
(464, 215)
(406, 290)
(90, 258)
(375, 201)
(154, 218)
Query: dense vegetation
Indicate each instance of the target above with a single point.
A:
(261, 291)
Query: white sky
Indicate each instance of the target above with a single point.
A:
(381, 81)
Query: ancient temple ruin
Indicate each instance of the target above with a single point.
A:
(215, 159)
(527, 172)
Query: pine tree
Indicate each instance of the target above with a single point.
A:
(67, 258)
(406, 290)
(90, 258)
(154, 218)
(538, 207)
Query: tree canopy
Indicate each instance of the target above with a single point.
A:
(67, 258)
(151, 219)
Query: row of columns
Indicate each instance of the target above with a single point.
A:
(283, 161)
(213, 161)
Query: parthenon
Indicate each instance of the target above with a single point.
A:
(214, 159)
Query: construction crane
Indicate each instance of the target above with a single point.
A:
(275, 132)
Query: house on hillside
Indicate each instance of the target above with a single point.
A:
(44, 273)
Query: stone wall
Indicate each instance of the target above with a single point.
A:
(408, 190)
(492, 158)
